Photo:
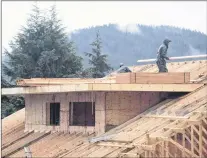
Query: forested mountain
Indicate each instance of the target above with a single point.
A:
(129, 43)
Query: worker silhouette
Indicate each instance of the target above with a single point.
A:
(123, 69)
(162, 56)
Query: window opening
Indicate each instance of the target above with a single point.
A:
(82, 113)
(54, 113)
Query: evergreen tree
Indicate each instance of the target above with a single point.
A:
(97, 59)
(9, 104)
(42, 49)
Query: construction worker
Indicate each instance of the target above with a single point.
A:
(123, 68)
(162, 56)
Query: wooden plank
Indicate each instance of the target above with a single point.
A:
(200, 141)
(147, 87)
(146, 147)
(126, 78)
(101, 87)
(167, 117)
(61, 81)
(180, 130)
(183, 143)
(22, 144)
(164, 78)
(130, 154)
(187, 77)
(174, 58)
(182, 148)
(192, 141)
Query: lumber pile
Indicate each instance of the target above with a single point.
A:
(62, 81)
(153, 78)
(126, 78)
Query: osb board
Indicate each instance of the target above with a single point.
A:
(125, 78)
(122, 106)
(13, 120)
(170, 77)
(36, 115)
(194, 67)
(149, 77)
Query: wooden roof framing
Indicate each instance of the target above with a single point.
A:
(141, 136)
(164, 130)
(179, 130)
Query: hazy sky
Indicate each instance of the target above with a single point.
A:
(76, 15)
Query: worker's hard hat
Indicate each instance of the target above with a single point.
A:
(121, 64)
(167, 40)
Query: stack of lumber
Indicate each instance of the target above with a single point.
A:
(126, 78)
(61, 81)
(153, 78)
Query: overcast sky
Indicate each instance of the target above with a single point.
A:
(76, 15)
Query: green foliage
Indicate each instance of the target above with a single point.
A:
(42, 49)
(97, 59)
(10, 104)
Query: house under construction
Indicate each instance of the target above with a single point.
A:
(137, 114)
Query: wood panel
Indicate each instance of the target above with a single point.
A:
(172, 77)
(38, 111)
(62, 81)
(126, 78)
(122, 106)
(145, 77)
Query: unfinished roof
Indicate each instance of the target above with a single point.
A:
(197, 68)
(159, 131)
(158, 123)
(197, 71)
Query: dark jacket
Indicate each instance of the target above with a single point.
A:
(162, 51)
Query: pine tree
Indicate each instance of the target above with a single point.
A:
(98, 60)
(9, 104)
(42, 49)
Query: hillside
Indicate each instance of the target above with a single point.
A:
(128, 43)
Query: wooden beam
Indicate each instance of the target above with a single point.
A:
(159, 138)
(101, 87)
(100, 138)
(62, 81)
(116, 145)
(200, 140)
(162, 78)
(182, 148)
(174, 129)
(174, 58)
(147, 87)
(167, 117)
(142, 146)
(130, 154)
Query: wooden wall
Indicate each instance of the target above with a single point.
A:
(122, 106)
(111, 109)
(36, 115)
